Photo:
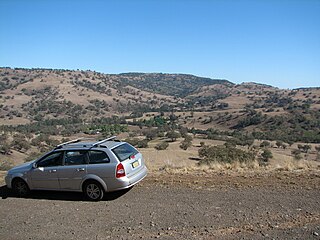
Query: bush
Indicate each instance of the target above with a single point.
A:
(5, 165)
(296, 154)
(142, 143)
(5, 148)
(224, 154)
(265, 144)
(33, 156)
(185, 144)
(137, 142)
(173, 135)
(20, 143)
(162, 146)
(266, 155)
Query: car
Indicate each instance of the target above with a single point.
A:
(93, 168)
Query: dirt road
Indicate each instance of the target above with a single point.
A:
(278, 205)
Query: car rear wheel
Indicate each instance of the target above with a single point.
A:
(20, 187)
(93, 191)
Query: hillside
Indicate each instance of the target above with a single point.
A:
(36, 96)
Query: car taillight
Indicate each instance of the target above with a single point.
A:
(120, 171)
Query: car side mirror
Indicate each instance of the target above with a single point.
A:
(34, 165)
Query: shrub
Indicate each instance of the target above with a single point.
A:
(173, 135)
(162, 146)
(5, 165)
(20, 143)
(296, 154)
(142, 143)
(265, 144)
(185, 144)
(137, 142)
(266, 155)
(33, 156)
(224, 154)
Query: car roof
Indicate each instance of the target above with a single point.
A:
(77, 144)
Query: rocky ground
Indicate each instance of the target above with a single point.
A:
(205, 205)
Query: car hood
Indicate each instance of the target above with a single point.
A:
(22, 167)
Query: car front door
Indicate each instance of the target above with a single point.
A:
(45, 174)
(73, 170)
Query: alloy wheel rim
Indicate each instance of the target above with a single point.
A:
(93, 191)
(22, 188)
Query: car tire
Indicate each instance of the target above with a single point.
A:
(20, 187)
(93, 191)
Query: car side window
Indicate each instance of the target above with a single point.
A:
(53, 159)
(76, 157)
(96, 157)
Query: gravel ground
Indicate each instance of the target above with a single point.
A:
(276, 205)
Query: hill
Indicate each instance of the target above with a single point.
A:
(56, 97)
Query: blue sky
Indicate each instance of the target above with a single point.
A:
(272, 42)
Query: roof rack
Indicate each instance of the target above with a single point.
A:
(102, 141)
(65, 143)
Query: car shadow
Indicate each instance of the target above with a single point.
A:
(60, 196)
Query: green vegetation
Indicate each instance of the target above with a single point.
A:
(173, 135)
(266, 155)
(186, 143)
(179, 85)
(137, 142)
(162, 146)
(224, 154)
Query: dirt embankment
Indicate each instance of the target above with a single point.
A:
(274, 205)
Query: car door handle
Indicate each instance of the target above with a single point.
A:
(80, 169)
(53, 170)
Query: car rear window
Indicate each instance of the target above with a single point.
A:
(124, 151)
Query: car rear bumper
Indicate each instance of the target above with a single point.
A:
(127, 182)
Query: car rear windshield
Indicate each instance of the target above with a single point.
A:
(124, 151)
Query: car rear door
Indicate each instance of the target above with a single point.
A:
(73, 170)
(100, 165)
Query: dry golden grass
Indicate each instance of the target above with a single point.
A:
(176, 160)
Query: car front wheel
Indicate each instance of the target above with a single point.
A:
(93, 191)
(20, 187)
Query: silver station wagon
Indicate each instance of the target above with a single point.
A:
(89, 167)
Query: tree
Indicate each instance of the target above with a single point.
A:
(184, 132)
(20, 143)
(304, 148)
(185, 144)
(173, 135)
(151, 134)
(265, 144)
(266, 155)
